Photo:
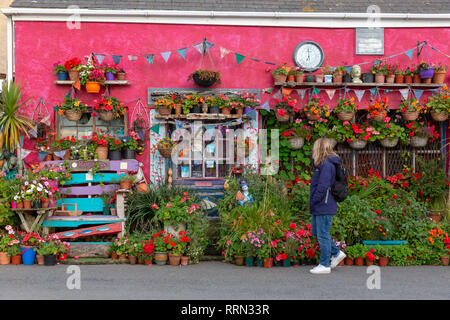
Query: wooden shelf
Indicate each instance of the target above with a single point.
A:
(291, 84)
(202, 116)
(108, 82)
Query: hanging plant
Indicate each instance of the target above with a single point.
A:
(205, 78)
(108, 108)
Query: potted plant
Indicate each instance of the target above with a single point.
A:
(359, 254)
(420, 132)
(113, 249)
(164, 105)
(175, 250)
(121, 250)
(110, 70)
(29, 243)
(357, 135)
(60, 70)
(93, 80)
(108, 108)
(99, 139)
(49, 251)
(296, 135)
(370, 257)
(410, 109)
(299, 74)
(399, 75)
(14, 253)
(184, 242)
(64, 144)
(248, 100)
(165, 146)
(351, 253)
(5, 244)
(378, 109)
(439, 104)
(416, 74)
(408, 74)
(161, 241)
(126, 181)
(279, 74)
(382, 254)
(236, 103)
(440, 72)
(73, 68)
(72, 108)
(114, 148)
(218, 102)
(205, 78)
(380, 71)
(426, 72)
(121, 74)
(147, 252)
(338, 74)
(132, 145)
(63, 248)
(189, 104)
(389, 133)
(284, 107)
(325, 75)
(316, 108)
(345, 109)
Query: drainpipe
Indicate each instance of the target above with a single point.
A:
(9, 50)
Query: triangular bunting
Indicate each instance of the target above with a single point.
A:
(208, 45)
(404, 93)
(46, 120)
(155, 128)
(132, 58)
(315, 91)
(374, 91)
(149, 58)
(409, 53)
(116, 59)
(359, 94)
(253, 114)
(257, 60)
(276, 95)
(100, 57)
(265, 105)
(418, 93)
(286, 92)
(330, 93)
(42, 155)
(166, 55)
(33, 132)
(60, 154)
(24, 153)
(239, 57)
(301, 93)
(182, 52)
(377, 62)
(199, 47)
(224, 52)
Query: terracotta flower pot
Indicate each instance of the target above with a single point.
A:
(164, 110)
(239, 260)
(20, 205)
(408, 79)
(40, 259)
(368, 262)
(74, 75)
(126, 184)
(114, 256)
(226, 110)
(48, 157)
(383, 261)
(319, 78)
(279, 78)
(399, 78)
(184, 260)
(92, 87)
(120, 75)
(4, 259)
(178, 109)
(268, 262)
(161, 258)
(439, 76)
(148, 262)
(27, 204)
(444, 260)
(291, 77)
(416, 78)
(379, 78)
(174, 260)
(359, 261)
(341, 263)
(390, 78)
(132, 259)
(240, 111)
(45, 203)
(299, 78)
(102, 152)
(337, 78)
(16, 259)
(122, 256)
(348, 261)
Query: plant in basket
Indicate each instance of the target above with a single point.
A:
(389, 132)
(108, 108)
(316, 108)
(410, 109)
(165, 146)
(439, 104)
(419, 132)
(357, 135)
(426, 71)
(378, 109)
(345, 109)
(205, 78)
(296, 134)
(284, 107)
(72, 108)
(164, 105)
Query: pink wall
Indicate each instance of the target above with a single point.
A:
(39, 44)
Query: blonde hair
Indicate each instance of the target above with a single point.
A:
(322, 149)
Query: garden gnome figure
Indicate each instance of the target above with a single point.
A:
(356, 74)
(244, 197)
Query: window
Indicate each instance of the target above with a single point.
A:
(87, 124)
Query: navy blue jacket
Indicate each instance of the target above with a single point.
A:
(321, 201)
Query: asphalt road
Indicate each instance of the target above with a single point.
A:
(221, 281)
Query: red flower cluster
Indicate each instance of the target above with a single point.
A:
(72, 63)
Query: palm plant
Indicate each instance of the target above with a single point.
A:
(11, 122)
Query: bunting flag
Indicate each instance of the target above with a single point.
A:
(150, 58)
(418, 93)
(276, 95)
(265, 106)
(404, 93)
(315, 91)
(239, 57)
(141, 135)
(224, 52)
(24, 153)
(301, 93)
(155, 128)
(166, 55)
(42, 155)
(253, 114)
(208, 45)
(286, 92)
(199, 47)
(178, 124)
(182, 53)
(374, 91)
(409, 53)
(330, 93)
(46, 120)
(33, 132)
(100, 57)
(132, 58)
(116, 59)
(60, 154)
(359, 94)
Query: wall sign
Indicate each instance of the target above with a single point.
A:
(369, 41)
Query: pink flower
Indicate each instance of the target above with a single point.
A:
(154, 206)
(168, 205)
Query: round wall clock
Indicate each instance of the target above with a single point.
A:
(308, 55)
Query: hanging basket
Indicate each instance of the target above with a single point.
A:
(282, 118)
(358, 144)
(378, 117)
(410, 116)
(388, 143)
(73, 115)
(345, 116)
(312, 117)
(296, 142)
(206, 82)
(106, 115)
(165, 152)
(439, 116)
(418, 142)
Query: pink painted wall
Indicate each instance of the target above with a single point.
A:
(39, 44)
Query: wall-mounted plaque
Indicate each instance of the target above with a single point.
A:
(369, 41)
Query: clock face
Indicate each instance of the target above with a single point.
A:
(308, 55)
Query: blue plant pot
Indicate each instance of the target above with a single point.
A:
(259, 262)
(62, 76)
(249, 261)
(287, 262)
(28, 255)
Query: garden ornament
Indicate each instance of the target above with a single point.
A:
(244, 197)
(356, 74)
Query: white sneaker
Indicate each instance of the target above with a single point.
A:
(320, 269)
(336, 259)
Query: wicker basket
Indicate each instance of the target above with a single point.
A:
(378, 117)
(312, 117)
(106, 115)
(345, 116)
(165, 152)
(72, 115)
(358, 144)
(410, 116)
(296, 142)
(418, 142)
(439, 116)
(388, 143)
(283, 118)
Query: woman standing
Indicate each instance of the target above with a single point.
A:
(322, 204)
